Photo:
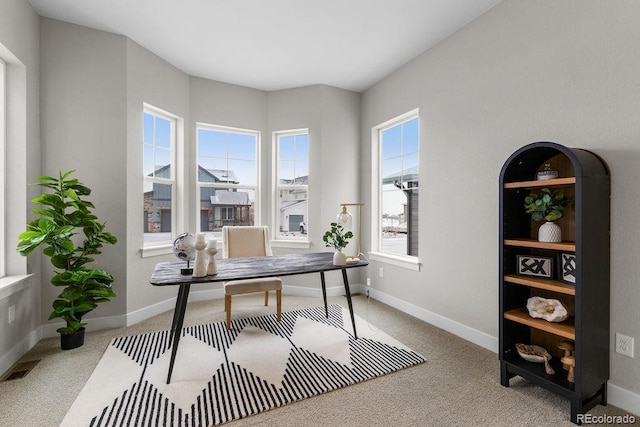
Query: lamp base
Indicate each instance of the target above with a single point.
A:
(186, 271)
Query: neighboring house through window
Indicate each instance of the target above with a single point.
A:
(395, 186)
(227, 165)
(159, 147)
(292, 184)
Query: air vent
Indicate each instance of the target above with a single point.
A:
(20, 370)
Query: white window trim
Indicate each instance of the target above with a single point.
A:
(3, 168)
(176, 181)
(405, 261)
(256, 188)
(16, 277)
(283, 242)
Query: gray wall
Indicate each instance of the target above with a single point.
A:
(83, 123)
(332, 116)
(19, 46)
(94, 87)
(525, 71)
(152, 80)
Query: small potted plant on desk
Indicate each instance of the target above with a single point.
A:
(548, 205)
(65, 215)
(337, 239)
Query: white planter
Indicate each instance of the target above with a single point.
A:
(339, 258)
(550, 232)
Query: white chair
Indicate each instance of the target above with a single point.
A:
(249, 241)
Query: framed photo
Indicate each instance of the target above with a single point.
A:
(568, 267)
(537, 266)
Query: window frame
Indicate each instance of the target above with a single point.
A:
(3, 177)
(410, 262)
(225, 185)
(176, 125)
(277, 187)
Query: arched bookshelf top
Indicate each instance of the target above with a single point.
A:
(524, 164)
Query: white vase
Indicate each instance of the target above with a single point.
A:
(339, 258)
(550, 232)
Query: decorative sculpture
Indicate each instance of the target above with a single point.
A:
(568, 348)
(535, 353)
(200, 269)
(550, 310)
(212, 250)
(570, 361)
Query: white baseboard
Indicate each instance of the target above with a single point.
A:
(12, 356)
(50, 330)
(463, 331)
(623, 399)
(617, 396)
(169, 304)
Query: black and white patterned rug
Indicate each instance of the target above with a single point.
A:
(222, 375)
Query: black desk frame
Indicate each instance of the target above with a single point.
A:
(168, 273)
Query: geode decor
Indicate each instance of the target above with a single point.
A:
(550, 310)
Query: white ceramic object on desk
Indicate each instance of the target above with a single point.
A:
(200, 269)
(212, 250)
(339, 258)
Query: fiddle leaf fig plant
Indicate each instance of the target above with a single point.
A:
(336, 238)
(70, 234)
(548, 205)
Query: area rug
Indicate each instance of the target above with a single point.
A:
(222, 375)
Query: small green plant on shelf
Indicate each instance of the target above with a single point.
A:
(336, 238)
(548, 205)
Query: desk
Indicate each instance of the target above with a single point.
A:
(168, 274)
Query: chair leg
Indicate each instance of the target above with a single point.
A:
(227, 309)
(279, 304)
(266, 298)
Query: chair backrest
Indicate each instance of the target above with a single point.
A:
(245, 241)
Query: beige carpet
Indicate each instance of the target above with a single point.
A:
(458, 386)
(221, 375)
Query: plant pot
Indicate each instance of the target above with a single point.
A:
(71, 341)
(339, 258)
(550, 232)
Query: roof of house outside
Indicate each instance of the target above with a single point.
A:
(299, 180)
(230, 198)
(405, 175)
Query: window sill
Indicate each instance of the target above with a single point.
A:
(408, 262)
(151, 251)
(10, 285)
(298, 244)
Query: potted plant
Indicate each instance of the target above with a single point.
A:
(337, 239)
(70, 234)
(548, 205)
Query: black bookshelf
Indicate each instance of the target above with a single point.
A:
(585, 228)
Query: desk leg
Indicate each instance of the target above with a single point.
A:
(324, 294)
(176, 326)
(348, 292)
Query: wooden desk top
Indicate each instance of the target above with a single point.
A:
(168, 273)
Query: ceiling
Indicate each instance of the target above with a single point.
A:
(277, 44)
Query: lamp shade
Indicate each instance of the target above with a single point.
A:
(345, 219)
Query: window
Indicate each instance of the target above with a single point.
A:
(3, 103)
(395, 189)
(292, 184)
(227, 177)
(159, 160)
